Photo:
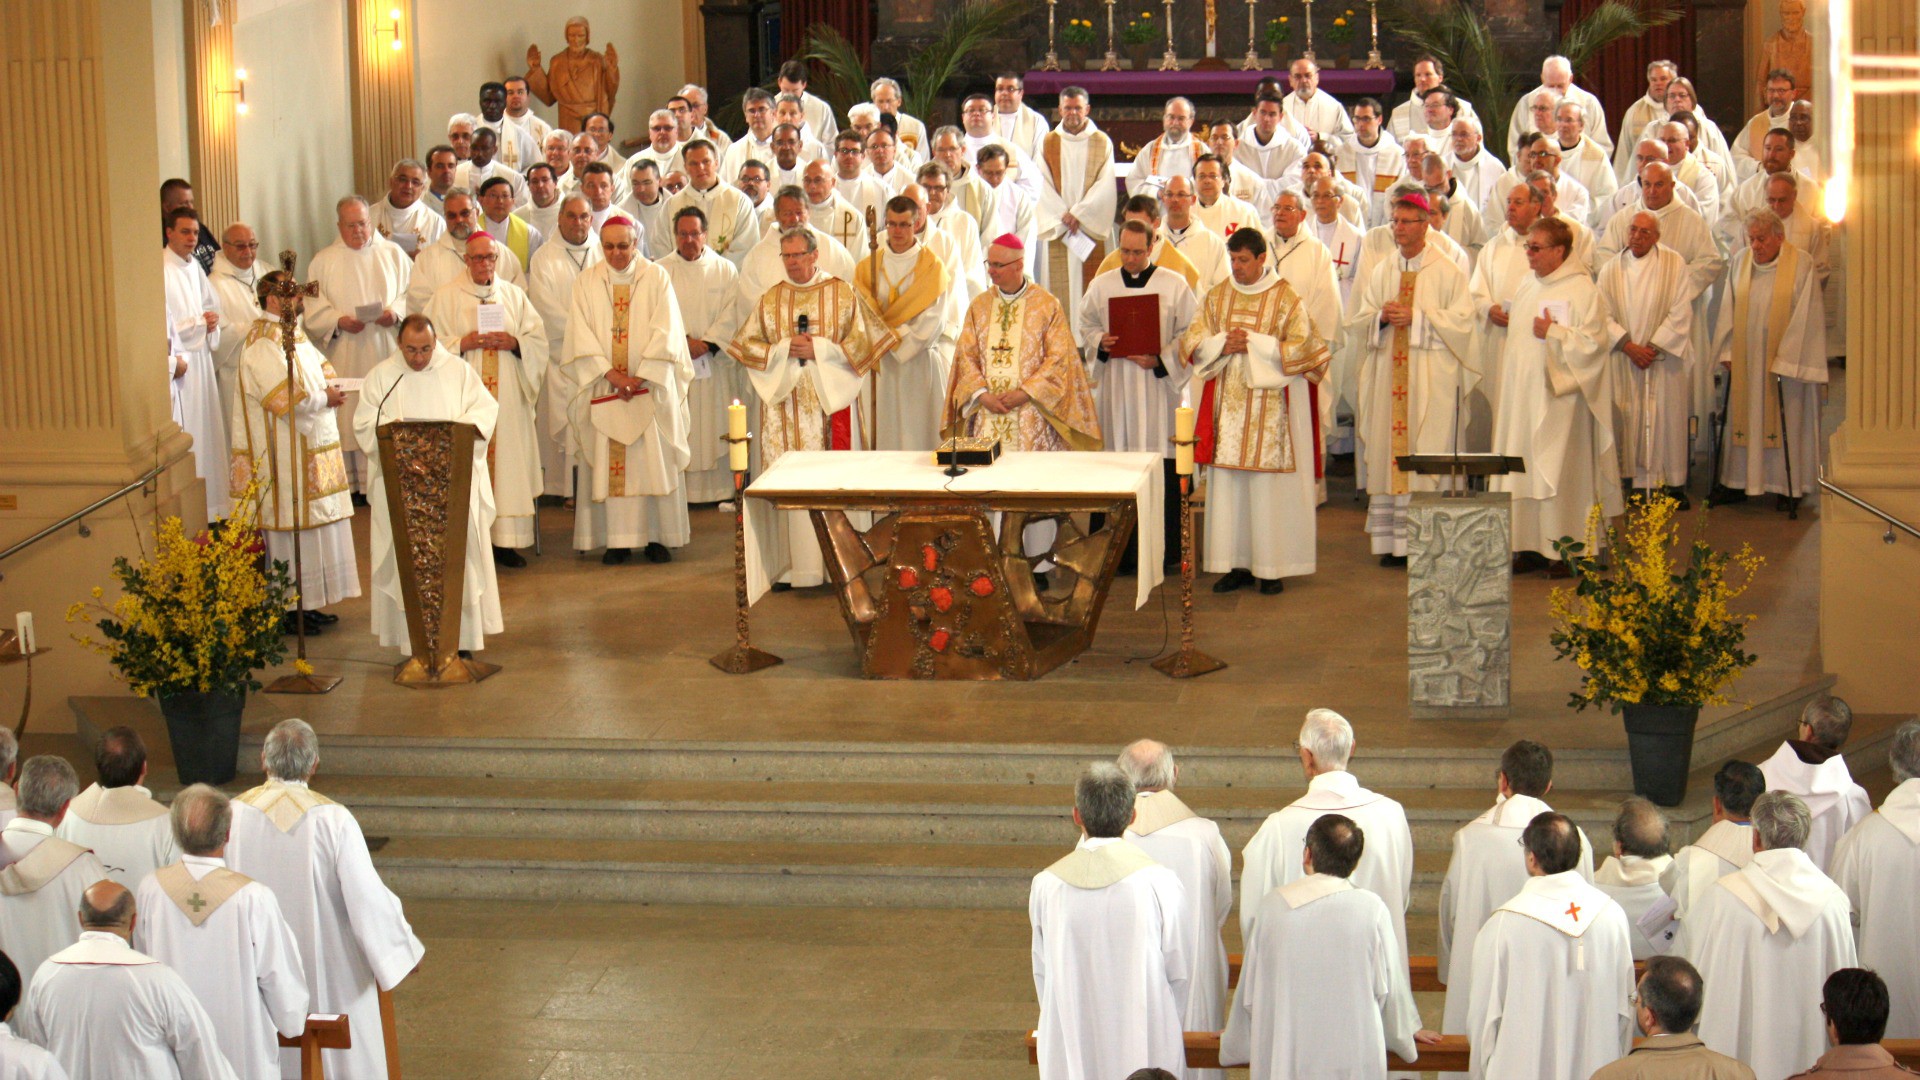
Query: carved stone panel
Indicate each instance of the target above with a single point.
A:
(1459, 601)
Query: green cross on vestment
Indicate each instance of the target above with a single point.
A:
(196, 903)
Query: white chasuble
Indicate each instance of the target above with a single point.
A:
(352, 933)
(1136, 404)
(1412, 379)
(223, 932)
(411, 228)
(1772, 337)
(1828, 789)
(1109, 966)
(762, 268)
(1878, 866)
(446, 261)
(124, 827)
(22, 1060)
(1726, 846)
(1306, 265)
(1272, 857)
(1192, 847)
(914, 294)
(356, 281)
(195, 395)
(448, 389)
(98, 984)
(515, 379)
(1076, 178)
(41, 879)
(732, 226)
(1552, 969)
(1634, 884)
(1650, 302)
(706, 290)
(550, 278)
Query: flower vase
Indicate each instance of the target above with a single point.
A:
(1660, 749)
(1077, 56)
(205, 732)
(1140, 56)
(1343, 56)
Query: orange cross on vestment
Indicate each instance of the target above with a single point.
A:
(1400, 391)
(1400, 427)
(1573, 911)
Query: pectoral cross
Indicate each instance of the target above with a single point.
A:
(1573, 911)
(196, 903)
(1337, 260)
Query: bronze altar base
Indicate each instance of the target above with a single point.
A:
(413, 672)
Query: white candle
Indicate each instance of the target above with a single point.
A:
(23, 626)
(1183, 441)
(737, 436)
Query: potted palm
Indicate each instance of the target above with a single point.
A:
(1653, 636)
(191, 625)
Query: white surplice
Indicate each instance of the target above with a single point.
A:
(1552, 969)
(1487, 869)
(233, 288)
(1726, 846)
(39, 895)
(1634, 884)
(100, 984)
(124, 827)
(706, 290)
(909, 385)
(550, 280)
(515, 379)
(196, 394)
(241, 962)
(410, 228)
(448, 389)
(1836, 802)
(1323, 991)
(1764, 940)
(1109, 967)
(628, 495)
(22, 1060)
(1649, 301)
(1555, 408)
(1272, 857)
(353, 935)
(1878, 865)
(732, 226)
(350, 279)
(1192, 847)
(1798, 357)
(1135, 404)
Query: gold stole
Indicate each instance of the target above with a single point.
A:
(1058, 267)
(617, 451)
(198, 900)
(901, 306)
(490, 377)
(1002, 368)
(1779, 311)
(1402, 339)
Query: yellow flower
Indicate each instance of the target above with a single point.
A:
(1284, 18)
(1339, 22)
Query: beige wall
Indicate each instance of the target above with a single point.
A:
(296, 145)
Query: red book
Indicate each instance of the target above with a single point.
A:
(1135, 320)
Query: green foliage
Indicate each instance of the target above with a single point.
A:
(1140, 31)
(968, 26)
(846, 80)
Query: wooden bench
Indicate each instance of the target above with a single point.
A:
(1422, 971)
(331, 1031)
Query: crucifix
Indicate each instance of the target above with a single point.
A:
(291, 292)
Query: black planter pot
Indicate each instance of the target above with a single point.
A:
(205, 732)
(1660, 746)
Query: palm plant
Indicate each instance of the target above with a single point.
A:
(968, 26)
(1474, 60)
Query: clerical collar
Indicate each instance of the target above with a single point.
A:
(624, 277)
(1010, 297)
(1177, 235)
(1139, 280)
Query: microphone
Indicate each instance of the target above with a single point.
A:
(388, 394)
(801, 329)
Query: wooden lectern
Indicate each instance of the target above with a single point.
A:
(427, 466)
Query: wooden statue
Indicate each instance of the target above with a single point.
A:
(1791, 49)
(580, 81)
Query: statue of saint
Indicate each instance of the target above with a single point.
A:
(1790, 48)
(580, 81)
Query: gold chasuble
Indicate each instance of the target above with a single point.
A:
(269, 444)
(835, 312)
(1779, 313)
(1021, 343)
(900, 306)
(1241, 426)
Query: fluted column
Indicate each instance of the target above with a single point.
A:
(1868, 621)
(213, 112)
(382, 81)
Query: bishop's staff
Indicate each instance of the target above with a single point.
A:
(291, 292)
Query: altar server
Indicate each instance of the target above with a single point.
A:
(911, 289)
(1649, 296)
(223, 932)
(1109, 964)
(424, 381)
(193, 326)
(704, 288)
(41, 875)
(352, 933)
(574, 247)
(1726, 846)
(117, 818)
(512, 364)
(1878, 865)
(363, 295)
(1765, 938)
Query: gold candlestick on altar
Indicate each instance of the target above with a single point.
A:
(1252, 62)
(1112, 62)
(1189, 662)
(1052, 62)
(1308, 54)
(742, 658)
(1170, 60)
(1374, 63)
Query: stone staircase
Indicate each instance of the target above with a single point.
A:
(879, 824)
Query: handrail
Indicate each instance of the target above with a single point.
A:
(136, 485)
(1828, 485)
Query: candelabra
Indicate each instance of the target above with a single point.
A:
(742, 658)
(1112, 62)
(1308, 54)
(1170, 61)
(1188, 662)
(1052, 62)
(1252, 62)
(1374, 63)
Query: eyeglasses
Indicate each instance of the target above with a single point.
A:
(991, 265)
(1541, 247)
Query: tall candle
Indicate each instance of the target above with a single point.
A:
(737, 436)
(23, 626)
(1183, 441)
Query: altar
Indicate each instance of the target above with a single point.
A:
(931, 570)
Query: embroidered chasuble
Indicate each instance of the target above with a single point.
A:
(198, 900)
(1241, 426)
(810, 406)
(1021, 343)
(278, 436)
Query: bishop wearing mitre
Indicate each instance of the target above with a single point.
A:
(1253, 349)
(286, 439)
(1412, 323)
(628, 370)
(423, 381)
(490, 323)
(913, 292)
(808, 345)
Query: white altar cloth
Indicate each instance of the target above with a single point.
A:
(889, 479)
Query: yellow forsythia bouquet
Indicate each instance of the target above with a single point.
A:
(199, 615)
(1644, 631)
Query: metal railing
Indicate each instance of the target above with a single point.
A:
(78, 516)
(1892, 522)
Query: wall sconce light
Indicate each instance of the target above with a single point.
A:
(392, 27)
(239, 91)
